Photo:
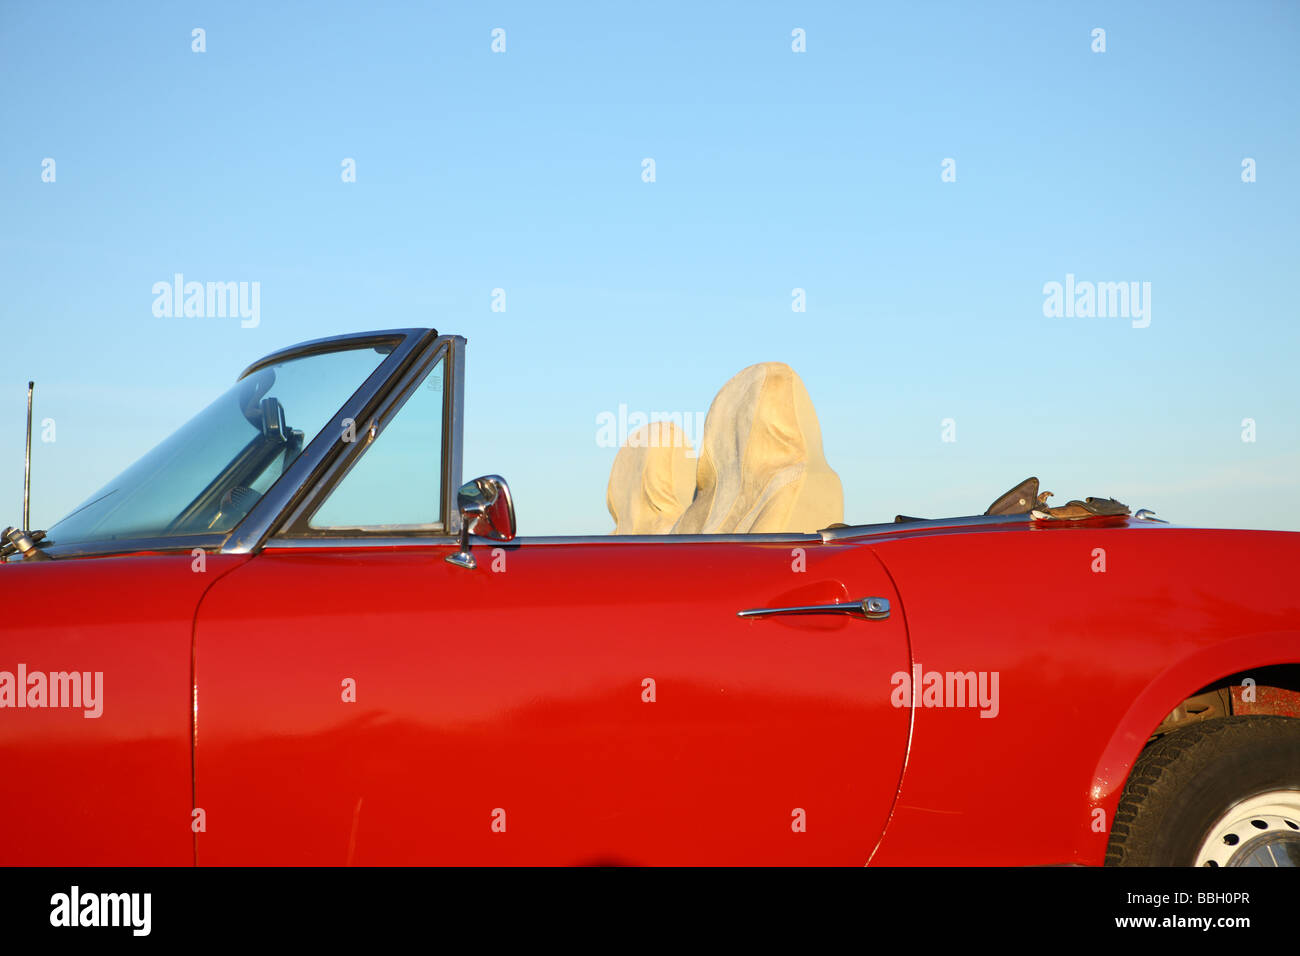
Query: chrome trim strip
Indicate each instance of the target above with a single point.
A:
(453, 424)
(913, 527)
(826, 536)
(426, 541)
(291, 487)
(186, 543)
(663, 539)
(288, 542)
(333, 343)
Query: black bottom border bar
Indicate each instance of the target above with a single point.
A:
(934, 904)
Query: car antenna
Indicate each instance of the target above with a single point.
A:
(20, 540)
(27, 463)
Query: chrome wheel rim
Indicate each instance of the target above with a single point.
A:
(1263, 830)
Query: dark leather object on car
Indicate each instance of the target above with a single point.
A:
(1087, 508)
(1019, 500)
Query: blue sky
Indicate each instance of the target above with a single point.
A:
(774, 170)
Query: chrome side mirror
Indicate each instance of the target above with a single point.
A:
(486, 510)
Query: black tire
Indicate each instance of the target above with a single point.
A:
(1187, 780)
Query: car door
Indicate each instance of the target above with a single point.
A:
(361, 700)
(581, 703)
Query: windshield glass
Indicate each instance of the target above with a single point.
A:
(207, 475)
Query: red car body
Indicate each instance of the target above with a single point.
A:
(599, 700)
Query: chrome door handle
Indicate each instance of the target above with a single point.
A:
(868, 609)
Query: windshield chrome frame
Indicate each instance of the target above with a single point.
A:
(307, 469)
(448, 349)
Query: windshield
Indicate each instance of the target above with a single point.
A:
(207, 475)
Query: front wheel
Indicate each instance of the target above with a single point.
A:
(1223, 792)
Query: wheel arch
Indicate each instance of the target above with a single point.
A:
(1205, 668)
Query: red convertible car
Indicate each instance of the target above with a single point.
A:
(290, 635)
